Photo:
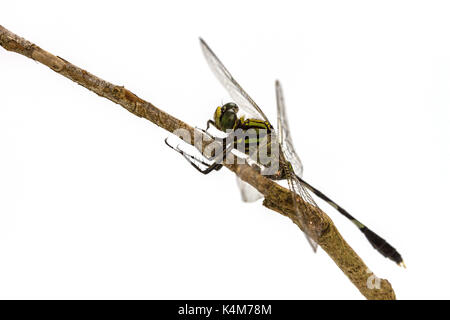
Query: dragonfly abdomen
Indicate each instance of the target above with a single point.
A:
(381, 245)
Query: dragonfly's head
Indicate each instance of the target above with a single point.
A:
(226, 117)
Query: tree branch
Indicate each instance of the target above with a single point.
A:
(277, 198)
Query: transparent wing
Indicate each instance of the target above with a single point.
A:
(248, 193)
(294, 171)
(285, 133)
(296, 188)
(240, 97)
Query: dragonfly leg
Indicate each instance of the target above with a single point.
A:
(212, 137)
(221, 156)
(209, 123)
(216, 159)
(209, 167)
(205, 132)
(191, 159)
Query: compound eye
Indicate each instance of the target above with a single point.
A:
(230, 106)
(228, 120)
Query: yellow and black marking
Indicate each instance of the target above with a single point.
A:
(251, 133)
(375, 240)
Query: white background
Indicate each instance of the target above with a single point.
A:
(94, 205)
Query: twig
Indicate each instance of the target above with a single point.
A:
(277, 198)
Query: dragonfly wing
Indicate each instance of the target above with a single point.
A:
(240, 97)
(285, 133)
(294, 171)
(248, 193)
(296, 188)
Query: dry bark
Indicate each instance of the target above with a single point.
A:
(277, 198)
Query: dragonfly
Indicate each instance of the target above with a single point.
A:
(290, 167)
